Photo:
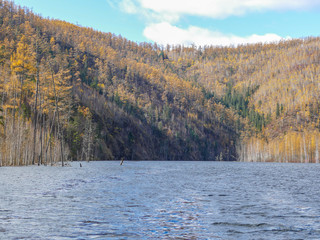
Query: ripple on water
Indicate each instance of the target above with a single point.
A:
(161, 200)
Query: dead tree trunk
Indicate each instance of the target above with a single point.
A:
(58, 116)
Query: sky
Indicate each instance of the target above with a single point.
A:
(199, 22)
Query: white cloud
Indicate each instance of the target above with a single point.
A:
(134, 7)
(161, 17)
(129, 6)
(173, 9)
(165, 33)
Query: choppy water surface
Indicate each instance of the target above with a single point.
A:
(167, 200)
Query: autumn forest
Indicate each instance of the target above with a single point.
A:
(73, 93)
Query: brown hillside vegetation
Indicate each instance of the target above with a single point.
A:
(69, 92)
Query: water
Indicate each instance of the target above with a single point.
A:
(161, 200)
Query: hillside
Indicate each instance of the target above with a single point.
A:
(70, 93)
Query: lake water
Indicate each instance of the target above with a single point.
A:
(161, 200)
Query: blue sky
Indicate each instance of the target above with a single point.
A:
(203, 22)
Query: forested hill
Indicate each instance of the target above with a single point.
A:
(69, 92)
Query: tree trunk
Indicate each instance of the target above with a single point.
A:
(317, 150)
(35, 117)
(58, 116)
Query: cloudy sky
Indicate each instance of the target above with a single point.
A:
(202, 22)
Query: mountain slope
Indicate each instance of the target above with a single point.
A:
(84, 94)
(70, 92)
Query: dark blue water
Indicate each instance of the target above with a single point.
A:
(166, 200)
